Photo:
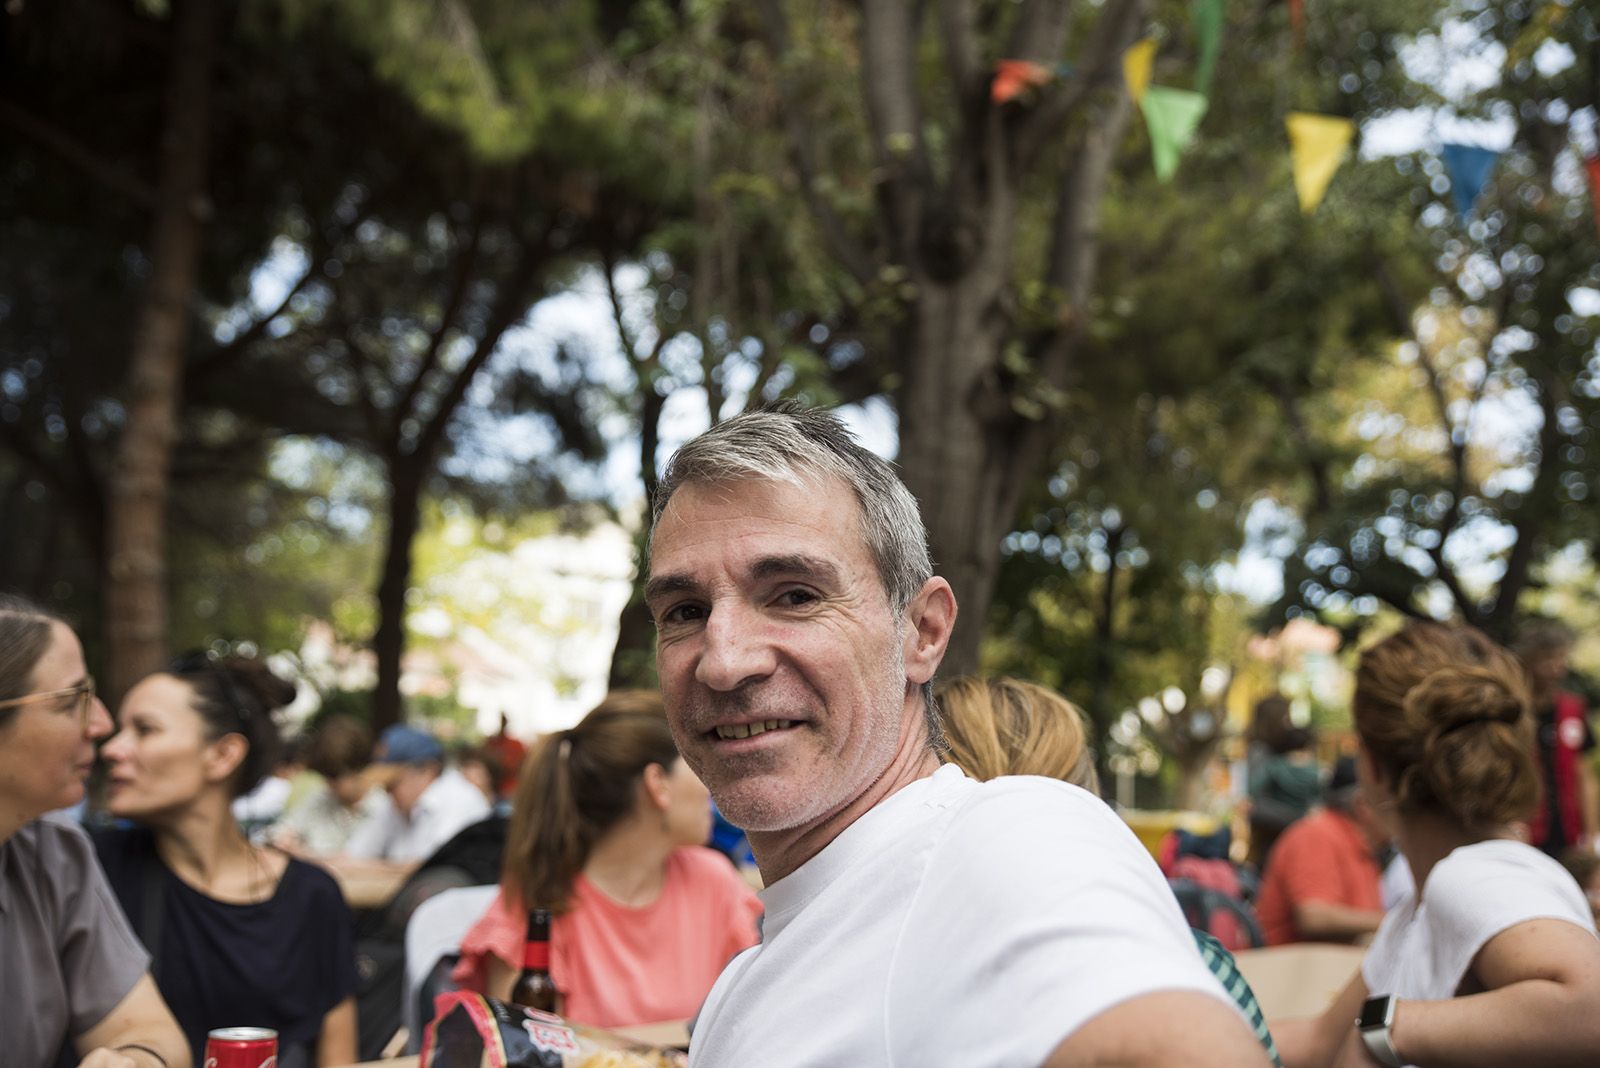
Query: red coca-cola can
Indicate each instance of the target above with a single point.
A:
(242, 1047)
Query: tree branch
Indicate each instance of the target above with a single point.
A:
(1098, 64)
(1040, 31)
(218, 358)
(958, 29)
(888, 61)
(80, 156)
(1075, 249)
(803, 152)
(510, 306)
(466, 263)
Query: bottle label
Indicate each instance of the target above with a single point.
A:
(536, 955)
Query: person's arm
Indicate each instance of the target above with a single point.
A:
(336, 1042)
(141, 1019)
(1588, 800)
(500, 976)
(1326, 921)
(1543, 980)
(1314, 1041)
(1161, 1029)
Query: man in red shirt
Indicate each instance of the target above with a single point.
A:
(1322, 879)
(510, 753)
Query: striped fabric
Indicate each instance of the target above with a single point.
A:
(1222, 965)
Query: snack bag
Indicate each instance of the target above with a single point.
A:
(473, 1031)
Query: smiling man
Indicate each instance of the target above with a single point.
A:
(914, 916)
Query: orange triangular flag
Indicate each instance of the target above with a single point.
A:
(1013, 77)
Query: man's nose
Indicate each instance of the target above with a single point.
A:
(737, 650)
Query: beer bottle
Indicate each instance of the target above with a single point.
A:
(534, 988)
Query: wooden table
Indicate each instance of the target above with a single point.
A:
(668, 1033)
(366, 886)
(1300, 979)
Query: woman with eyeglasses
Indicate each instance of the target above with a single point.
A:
(74, 975)
(240, 935)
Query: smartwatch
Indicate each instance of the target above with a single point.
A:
(1377, 1015)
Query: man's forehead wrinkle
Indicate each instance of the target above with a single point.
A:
(662, 585)
(793, 564)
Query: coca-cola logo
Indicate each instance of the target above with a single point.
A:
(270, 1062)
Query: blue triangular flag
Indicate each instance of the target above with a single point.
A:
(1468, 167)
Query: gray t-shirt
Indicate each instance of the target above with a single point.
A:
(69, 955)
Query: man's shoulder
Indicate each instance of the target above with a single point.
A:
(1033, 798)
(1037, 827)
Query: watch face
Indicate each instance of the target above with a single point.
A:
(1374, 1013)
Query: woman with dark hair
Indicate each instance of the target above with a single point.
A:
(240, 935)
(606, 834)
(74, 975)
(1493, 960)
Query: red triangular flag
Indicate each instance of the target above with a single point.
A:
(1592, 165)
(1014, 76)
(1297, 20)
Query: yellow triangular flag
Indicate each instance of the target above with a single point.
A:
(1137, 62)
(1317, 145)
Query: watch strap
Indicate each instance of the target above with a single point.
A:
(1377, 1039)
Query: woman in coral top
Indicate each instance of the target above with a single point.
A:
(606, 833)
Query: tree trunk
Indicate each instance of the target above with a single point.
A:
(136, 587)
(389, 640)
(633, 656)
(956, 453)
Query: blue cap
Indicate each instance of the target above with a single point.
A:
(407, 745)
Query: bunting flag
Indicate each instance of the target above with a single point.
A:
(1592, 165)
(1013, 77)
(1297, 20)
(1137, 62)
(1171, 116)
(1468, 167)
(1317, 145)
(1207, 18)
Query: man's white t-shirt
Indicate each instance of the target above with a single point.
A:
(448, 805)
(957, 923)
(1427, 942)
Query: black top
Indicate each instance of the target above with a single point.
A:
(283, 963)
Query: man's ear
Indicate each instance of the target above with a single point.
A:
(930, 619)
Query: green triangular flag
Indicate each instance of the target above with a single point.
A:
(1171, 116)
(1207, 16)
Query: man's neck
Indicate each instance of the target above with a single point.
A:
(779, 853)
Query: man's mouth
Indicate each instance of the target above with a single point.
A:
(731, 731)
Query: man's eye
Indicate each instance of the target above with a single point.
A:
(682, 613)
(796, 598)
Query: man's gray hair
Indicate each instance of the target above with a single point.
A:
(793, 444)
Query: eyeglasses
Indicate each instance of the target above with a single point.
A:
(83, 701)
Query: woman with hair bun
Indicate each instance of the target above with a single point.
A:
(239, 935)
(1494, 959)
(607, 835)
